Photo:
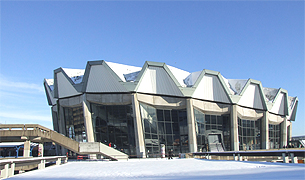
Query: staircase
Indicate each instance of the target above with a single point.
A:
(36, 132)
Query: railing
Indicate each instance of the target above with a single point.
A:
(7, 166)
(237, 155)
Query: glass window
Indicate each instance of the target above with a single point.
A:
(274, 136)
(74, 121)
(249, 134)
(114, 124)
(170, 128)
(205, 123)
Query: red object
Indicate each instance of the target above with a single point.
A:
(109, 144)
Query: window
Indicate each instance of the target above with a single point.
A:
(168, 127)
(274, 136)
(206, 123)
(249, 134)
(74, 121)
(114, 124)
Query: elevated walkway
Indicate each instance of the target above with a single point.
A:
(38, 133)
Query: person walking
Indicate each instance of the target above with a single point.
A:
(170, 154)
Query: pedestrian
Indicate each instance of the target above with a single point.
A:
(170, 154)
(110, 144)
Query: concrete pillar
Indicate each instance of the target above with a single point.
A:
(234, 129)
(58, 162)
(88, 119)
(139, 137)
(11, 170)
(61, 127)
(42, 164)
(265, 131)
(191, 126)
(4, 172)
(40, 150)
(284, 133)
(285, 158)
(27, 148)
(88, 123)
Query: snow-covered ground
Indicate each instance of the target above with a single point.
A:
(180, 169)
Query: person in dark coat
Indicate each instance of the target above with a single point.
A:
(170, 154)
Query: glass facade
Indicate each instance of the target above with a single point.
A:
(249, 134)
(114, 124)
(74, 121)
(209, 125)
(274, 136)
(168, 127)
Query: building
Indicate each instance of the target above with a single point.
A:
(138, 109)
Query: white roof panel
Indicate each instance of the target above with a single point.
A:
(121, 69)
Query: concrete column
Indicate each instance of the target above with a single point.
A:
(88, 123)
(58, 162)
(40, 150)
(191, 126)
(61, 127)
(27, 148)
(4, 172)
(88, 119)
(234, 129)
(284, 133)
(265, 131)
(139, 137)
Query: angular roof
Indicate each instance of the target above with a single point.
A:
(162, 79)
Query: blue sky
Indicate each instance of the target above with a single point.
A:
(262, 40)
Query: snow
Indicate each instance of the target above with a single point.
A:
(76, 75)
(237, 85)
(50, 83)
(192, 78)
(181, 169)
(121, 69)
(179, 74)
(270, 93)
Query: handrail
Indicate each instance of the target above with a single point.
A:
(7, 166)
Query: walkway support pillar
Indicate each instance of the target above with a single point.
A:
(27, 148)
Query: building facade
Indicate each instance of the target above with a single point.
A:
(138, 109)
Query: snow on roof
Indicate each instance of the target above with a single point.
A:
(179, 74)
(291, 101)
(121, 70)
(76, 75)
(228, 85)
(270, 93)
(50, 83)
(237, 85)
(191, 79)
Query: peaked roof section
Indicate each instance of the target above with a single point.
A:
(280, 103)
(49, 87)
(99, 77)
(252, 95)
(210, 85)
(156, 78)
(63, 84)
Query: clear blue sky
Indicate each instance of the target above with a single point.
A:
(259, 40)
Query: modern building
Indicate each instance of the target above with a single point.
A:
(138, 109)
